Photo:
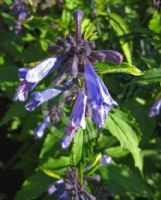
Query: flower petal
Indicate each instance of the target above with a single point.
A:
(39, 132)
(78, 112)
(155, 109)
(57, 187)
(32, 76)
(67, 141)
(23, 90)
(106, 160)
(100, 99)
(40, 97)
(37, 73)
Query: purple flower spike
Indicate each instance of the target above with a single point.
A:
(39, 132)
(112, 56)
(100, 100)
(40, 97)
(32, 76)
(106, 160)
(155, 109)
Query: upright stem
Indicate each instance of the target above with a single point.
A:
(78, 14)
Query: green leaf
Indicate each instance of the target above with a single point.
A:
(154, 23)
(121, 28)
(124, 127)
(52, 163)
(89, 30)
(123, 181)
(51, 141)
(116, 152)
(34, 186)
(76, 153)
(90, 131)
(51, 173)
(151, 76)
(105, 67)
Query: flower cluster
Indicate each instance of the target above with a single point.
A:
(157, 3)
(20, 11)
(75, 61)
(155, 109)
(71, 188)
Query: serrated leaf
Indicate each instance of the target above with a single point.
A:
(123, 181)
(52, 163)
(76, 153)
(34, 186)
(151, 76)
(124, 127)
(105, 67)
(121, 28)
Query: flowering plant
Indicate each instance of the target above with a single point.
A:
(85, 121)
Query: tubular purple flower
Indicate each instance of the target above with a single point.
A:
(155, 109)
(112, 56)
(55, 186)
(32, 76)
(23, 90)
(100, 100)
(106, 160)
(39, 132)
(40, 97)
(67, 141)
(78, 112)
(77, 119)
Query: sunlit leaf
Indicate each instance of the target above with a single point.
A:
(105, 67)
(125, 128)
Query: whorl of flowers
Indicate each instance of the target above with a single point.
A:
(71, 187)
(21, 13)
(75, 60)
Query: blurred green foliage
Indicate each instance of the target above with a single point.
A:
(132, 27)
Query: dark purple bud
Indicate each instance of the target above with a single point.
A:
(96, 178)
(55, 49)
(70, 39)
(78, 15)
(74, 66)
(112, 56)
